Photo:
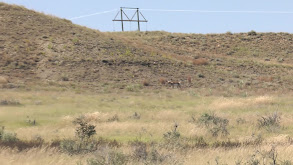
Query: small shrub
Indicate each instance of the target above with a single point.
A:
(38, 139)
(271, 123)
(216, 125)
(200, 61)
(1, 132)
(189, 79)
(69, 146)
(73, 146)
(64, 78)
(79, 119)
(252, 33)
(145, 83)
(30, 122)
(140, 151)
(85, 131)
(286, 162)
(200, 142)
(254, 140)
(240, 121)
(229, 33)
(50, 46)
(172, 135)
(10, 102)
(226, 144)
(110, 158)
(113, 118)
(192, 119)
(75, 41)
(162, 81)
(134, 88)
(9, 137)
(135, 116)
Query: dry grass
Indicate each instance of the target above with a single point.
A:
(38, 156)
(162, 81)
(200, 61)
(266, 78)
(189, 80)
(115, 60)
(3, 80)
(158, 113)
(225, 103)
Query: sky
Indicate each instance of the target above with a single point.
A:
(219, 16)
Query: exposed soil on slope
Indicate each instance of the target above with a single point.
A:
(36, 48)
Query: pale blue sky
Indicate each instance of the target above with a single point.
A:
(185, 22)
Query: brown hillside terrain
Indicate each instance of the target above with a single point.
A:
(40, 49)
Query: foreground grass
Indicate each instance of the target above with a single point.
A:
(145, 116)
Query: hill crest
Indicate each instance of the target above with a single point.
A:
(42, 49)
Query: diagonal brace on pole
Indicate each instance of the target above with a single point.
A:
(137, 13)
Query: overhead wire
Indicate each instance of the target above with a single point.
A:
(89, 15)
(192, 11)
(220, 11)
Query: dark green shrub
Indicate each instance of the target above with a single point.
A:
(84, 131)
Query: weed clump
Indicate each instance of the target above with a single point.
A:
(109, 158)
(135, 116)
(7, 102)
(216, 125)
(85, 131)
(271, 122)
(252, 33)
(149, 154)
(173, 134)
(7, 137)
(134, 88)
(200, 142)
(83, 144)
(113, 118)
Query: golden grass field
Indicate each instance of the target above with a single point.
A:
(54, 112)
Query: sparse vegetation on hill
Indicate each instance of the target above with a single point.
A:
(40, 49)
(85, 97)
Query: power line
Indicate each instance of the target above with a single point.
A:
(89, 15)
(192, 11)
(219, 11)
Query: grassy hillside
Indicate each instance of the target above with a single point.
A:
(38, 50)
(70, 81)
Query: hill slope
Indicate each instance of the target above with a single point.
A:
(37, 49)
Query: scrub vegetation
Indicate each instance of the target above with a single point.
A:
(74, 95)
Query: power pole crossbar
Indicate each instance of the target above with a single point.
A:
(137, 13)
